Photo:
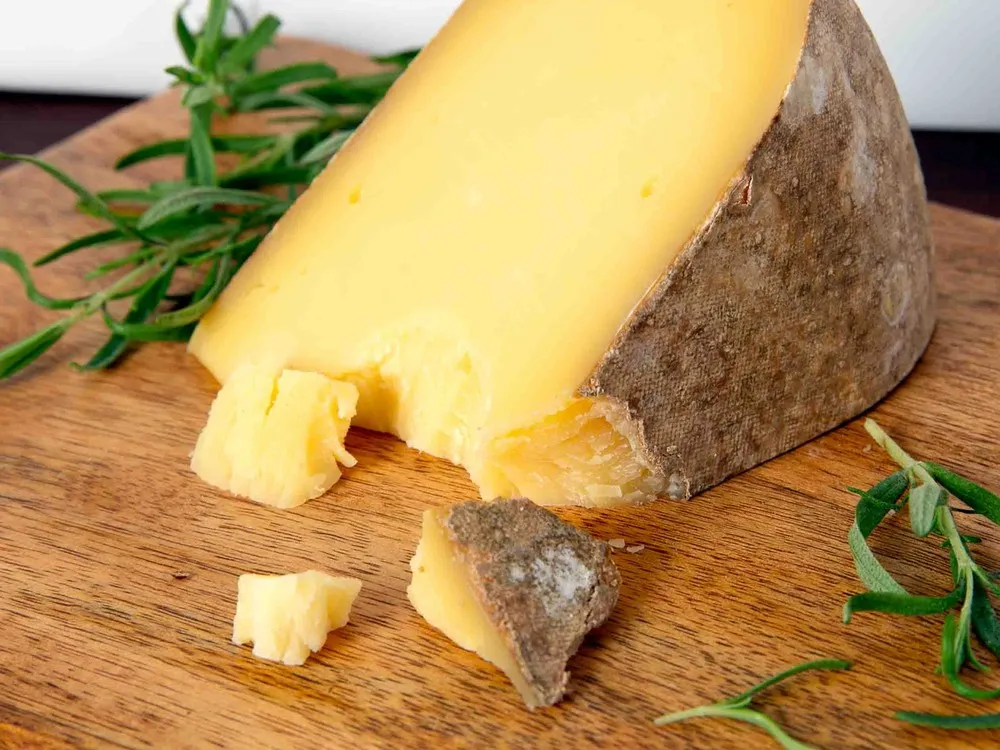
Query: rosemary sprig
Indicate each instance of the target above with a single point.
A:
(210, 220)
(925, 488)
(738, 707)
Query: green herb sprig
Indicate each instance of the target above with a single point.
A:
(211, 220)
(925, 489)
(738, 708)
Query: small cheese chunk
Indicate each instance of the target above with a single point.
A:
(287, 617)
(276, 438)
(512, 582)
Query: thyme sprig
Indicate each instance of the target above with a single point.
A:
(738, 708)
(926, 489)
(210, 220)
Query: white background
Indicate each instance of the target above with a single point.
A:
(945, 54)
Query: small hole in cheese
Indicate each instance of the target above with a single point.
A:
(355, 196)
(648, 187)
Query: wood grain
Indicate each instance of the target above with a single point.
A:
(103, 646)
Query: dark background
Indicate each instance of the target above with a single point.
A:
(961, 169)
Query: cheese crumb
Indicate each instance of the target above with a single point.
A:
(635, 549)
(288, 617)
(617, 544)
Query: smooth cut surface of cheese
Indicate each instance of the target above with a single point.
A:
(288, 617)
(497, 218)
(276, 436)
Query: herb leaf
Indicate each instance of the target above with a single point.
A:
(982, 501)
(902, 604)
(184, 36)
(14, 261)
(938, 721)
(737, 708)
(201, 197)
(872, 508)
(246, 48)
(19, 355)
(924, 501)
(984, 619)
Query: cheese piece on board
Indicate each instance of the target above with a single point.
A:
(610, 259)
(276, 437)
(288, 617)
(512, 582)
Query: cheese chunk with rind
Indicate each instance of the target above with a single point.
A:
(517, 585)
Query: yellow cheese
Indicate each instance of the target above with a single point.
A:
(288, 617)
(276, 438)
(513, 582)
(499, 216)
(440, 590)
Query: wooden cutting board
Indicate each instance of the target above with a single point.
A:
(118, 567)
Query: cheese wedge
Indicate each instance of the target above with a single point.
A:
(512, 582)
(288, 617)
(598, 252)
(276, 437)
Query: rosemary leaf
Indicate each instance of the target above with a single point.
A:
(246, 48)
(184, 76)
(398, 60)
(872, 508)
(236, 144)
(924, 501)
(16, 262)
(19, 355)
(323, 151)
(367, 89)
(106, 237)
(201, 154)
(939, 721)
(901, 604)
(209, 41)
(185, 38)
(984, 619)
(267, 177)
(272, 80)
(281, 99)
(144, 253)
(982, 501)
(128, 196)
(198, 96)
(201, 197)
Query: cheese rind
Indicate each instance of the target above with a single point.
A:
(276, 437)
(288, 617)
(512, 582)
(683, 219)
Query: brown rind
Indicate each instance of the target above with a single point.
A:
(543, 583)
(806, 297)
